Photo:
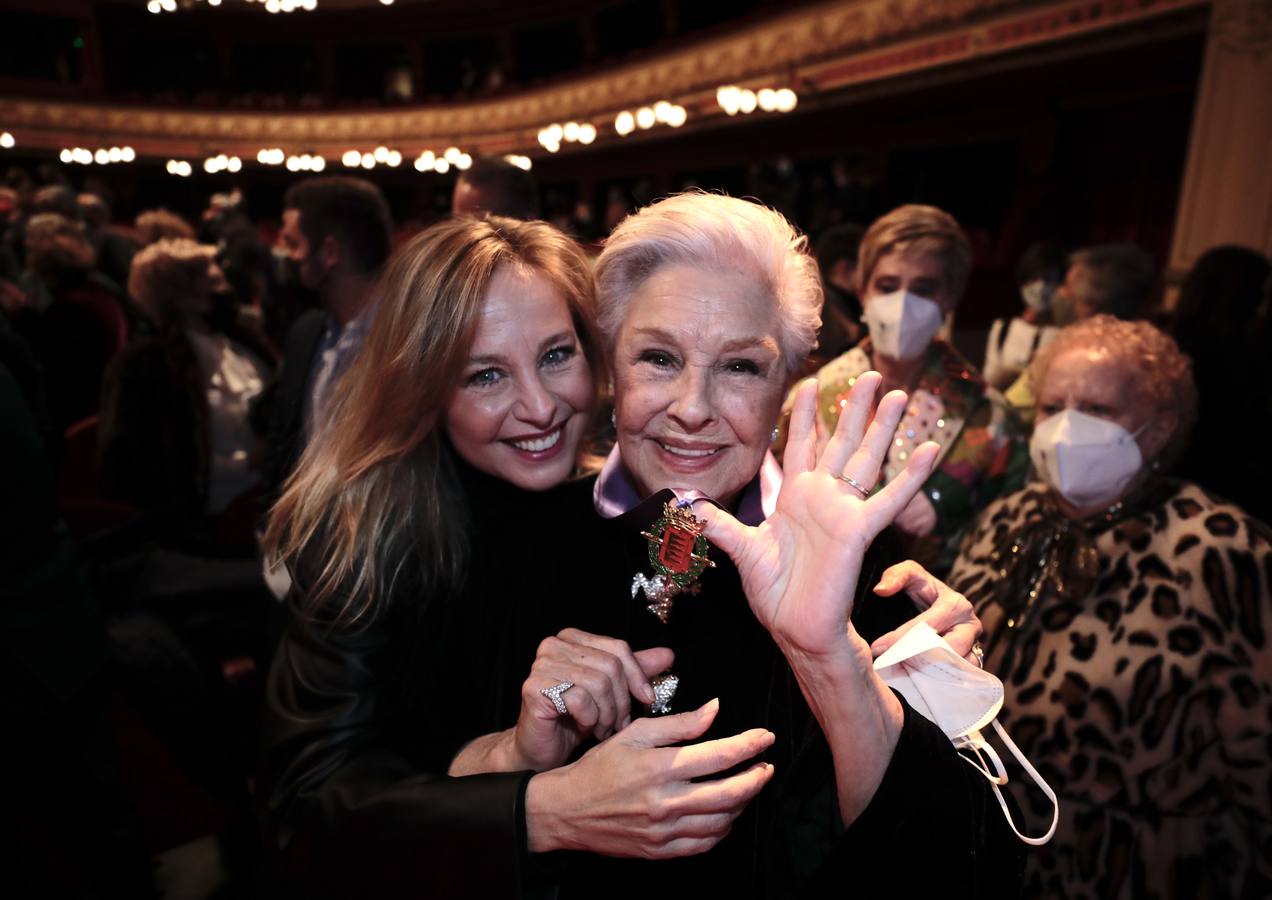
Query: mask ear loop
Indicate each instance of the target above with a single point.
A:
(979, 746)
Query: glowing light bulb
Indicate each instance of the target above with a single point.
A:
(66, 155)
(677, 116)
(127, 154)
(625, 123)
(661, 110)
(767, 98)
(6, 140)
(317, 164)
(587, 133)
(786, 100)
(645, 117)
(234, 164)
(351, 158)
(101, 157)
(442, 166)
(571, 131)
(368, 160)
(395, 158)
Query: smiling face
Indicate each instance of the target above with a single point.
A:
(698, 381)
(523, 398)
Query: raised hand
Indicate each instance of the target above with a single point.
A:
(635, 795)
(800, 567)
(948, 612)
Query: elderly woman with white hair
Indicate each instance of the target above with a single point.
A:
(1127, 614)
(694, 718)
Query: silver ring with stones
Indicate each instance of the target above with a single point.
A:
(979, 652)
(855, 485)
(554, 694)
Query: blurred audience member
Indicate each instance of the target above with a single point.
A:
(912, 267)
(1127, 615)
(1113, 279)
(1013, 342)
(336, 235)
(493, 185)
(68, 829)
(841, 327)
(114, 251)
(1217, 322)
(73, 318)
(56, 198)
(174, 436)
(157, 224)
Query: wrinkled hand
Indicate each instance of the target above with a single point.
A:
(635, 796)
(606, 675)
(800, 567)
(948, 612)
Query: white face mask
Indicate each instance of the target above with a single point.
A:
(902, 324)
(961, 699)
(1037, 295)
(1088, 460)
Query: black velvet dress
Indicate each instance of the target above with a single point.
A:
(361, 728)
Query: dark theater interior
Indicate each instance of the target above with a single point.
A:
(591, 448)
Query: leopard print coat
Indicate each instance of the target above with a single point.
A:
(1146, 704)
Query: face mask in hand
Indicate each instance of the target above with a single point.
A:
(961, 699)
(1089, 461)
(1037, 295)
(902, 324)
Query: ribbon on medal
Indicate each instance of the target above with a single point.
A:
(678, 554)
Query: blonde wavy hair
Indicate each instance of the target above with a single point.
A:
(168, 273)
(157, 224)
(375, 492)
(1165, 379)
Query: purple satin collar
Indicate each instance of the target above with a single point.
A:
(614, 493)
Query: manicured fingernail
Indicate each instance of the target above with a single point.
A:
(647, 692)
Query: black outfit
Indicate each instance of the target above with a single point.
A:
(66, 827)
(360, 726)
(279, 411)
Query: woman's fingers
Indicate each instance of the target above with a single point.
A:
(887, 502)
(664, 730)
(709, 757)
(801, 440)
(854, 415)
(912, 578)
(872, 450)
(730, 794)
(723, 530)
(634, 673)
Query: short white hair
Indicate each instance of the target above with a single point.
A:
(712, 231)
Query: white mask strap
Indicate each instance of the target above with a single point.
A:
(979, 746)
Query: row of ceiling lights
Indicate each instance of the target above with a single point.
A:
(271, 6)
(730, 98)
(102, 156)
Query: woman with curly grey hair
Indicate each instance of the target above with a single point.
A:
(1126, 614)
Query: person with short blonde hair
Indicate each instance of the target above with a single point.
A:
(1126, 613)
(172, 277)
(157, 224)
(913, 266)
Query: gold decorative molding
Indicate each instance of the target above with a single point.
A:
(818, 49)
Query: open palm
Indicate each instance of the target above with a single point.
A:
(800, 567)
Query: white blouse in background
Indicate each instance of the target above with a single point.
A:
(1012, 344)
(232, 377)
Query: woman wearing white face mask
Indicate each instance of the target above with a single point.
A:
(1013, 342)
(1125, 613)
(912, 266)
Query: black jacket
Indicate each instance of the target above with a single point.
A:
(360, 729)
(279, 413)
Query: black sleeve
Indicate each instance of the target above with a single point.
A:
(350, 811)
(933, 828)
